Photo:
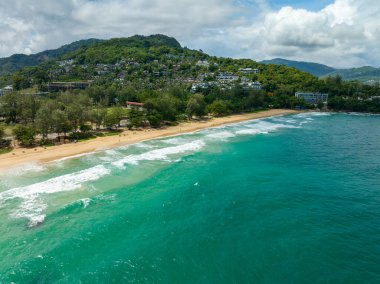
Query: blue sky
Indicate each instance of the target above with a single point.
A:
(301, 4)
(339, 33)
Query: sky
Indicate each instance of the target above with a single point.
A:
(338, 33)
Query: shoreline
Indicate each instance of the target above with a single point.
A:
(40, 155)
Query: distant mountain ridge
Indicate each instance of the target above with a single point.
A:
(315, 69)
(364, 74)
(16, 62)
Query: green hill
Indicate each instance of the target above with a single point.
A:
(116, 49)
(315, 69)
(173, 82)
(17, 61)
(363, 74)
(155, 62)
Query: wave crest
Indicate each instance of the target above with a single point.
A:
(160, 154)
(32, 205)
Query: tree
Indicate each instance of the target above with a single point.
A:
(10, 106)
(219, 108)
(28, 106)
(196, 105)
(2, 132)
(97, 116)
(135, 118)
(21, 82)
(3, 142)
(77, 114)
(119, 113)
(154, 119)
(25, 134)
(44, 118)
(111, 120)
(167, 106)
(60, 122)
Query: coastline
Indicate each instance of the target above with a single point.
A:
(21, 156)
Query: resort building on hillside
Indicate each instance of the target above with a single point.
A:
(227, 77)
(66, 86)
(203, 63)
(64, 63)
(252, 85)
(312, 98)
(196, 86)
(247, 71)
(5, 90)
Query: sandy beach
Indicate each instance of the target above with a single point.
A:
(20, 156)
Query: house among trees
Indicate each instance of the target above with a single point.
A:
(252, 85)
(66, 86)
(197, 86)
(5, 90)
(203, 63)
(312, 98)
(64, 63)
(247, 71)
(135, 105)
(226, 77)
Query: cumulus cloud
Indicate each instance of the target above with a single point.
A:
(33, 25)
(343, 34)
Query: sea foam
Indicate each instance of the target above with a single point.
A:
(33, 206)
(221, 135)
(263, 127)
(23, 169)
(311, 114)
(159, 154)
(73, 157)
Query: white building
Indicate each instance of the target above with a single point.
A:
(252, 85)
(227, 77)
(247, 71)
(196, 86)
(312, 98)
(66, 62)
(7, 89)
(203, 63)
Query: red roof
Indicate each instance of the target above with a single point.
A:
(135, 104)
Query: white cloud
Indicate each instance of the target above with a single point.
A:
(35, 25)
(345, 33)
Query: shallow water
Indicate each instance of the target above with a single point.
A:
(288, 199)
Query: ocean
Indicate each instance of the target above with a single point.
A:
(287, 199)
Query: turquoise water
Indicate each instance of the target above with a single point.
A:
(291, 199)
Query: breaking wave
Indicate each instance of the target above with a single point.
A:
(159, 154)
(73, 157)
(221, 135)
(32, 206)
(263, 127)
(23, 169)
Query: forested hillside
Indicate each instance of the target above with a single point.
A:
(89, 88)
(15, 62)
(315, 69)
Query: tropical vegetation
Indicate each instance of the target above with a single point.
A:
(172, 83)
